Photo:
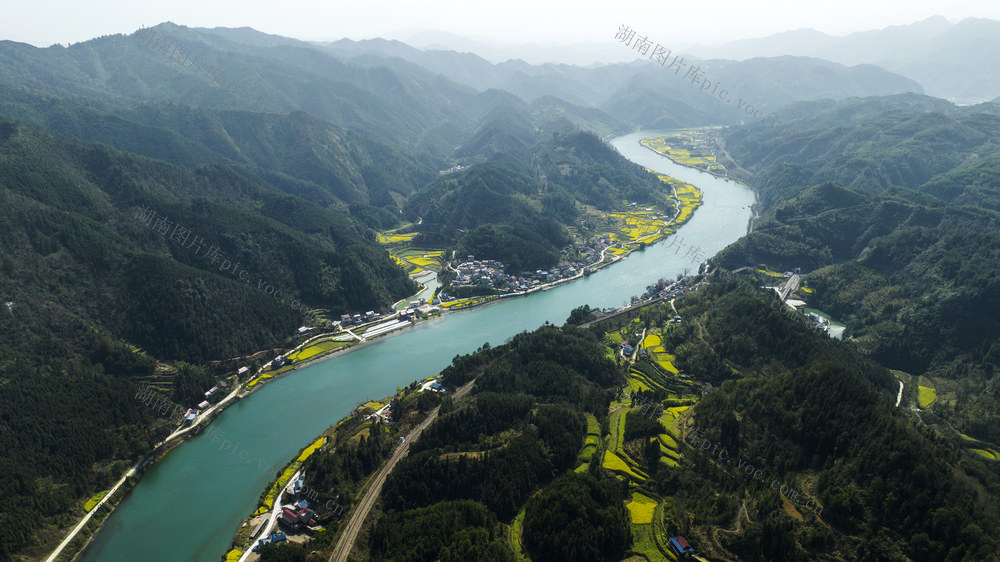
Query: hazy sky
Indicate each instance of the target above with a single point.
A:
(672, 23)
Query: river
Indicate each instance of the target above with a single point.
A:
(188, 505)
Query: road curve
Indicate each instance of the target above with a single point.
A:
(346, 542)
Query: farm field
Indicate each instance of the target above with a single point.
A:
(315, 349)
(393, 238)
(926, 396)
(688, 148)
(415, 261)
(467, 302)
(667, 396)
(514, 532)
(590, 443)
(981, 448)
(93, 501)
(420, 258)
(987, 454)
(648, 225)
(641, 508)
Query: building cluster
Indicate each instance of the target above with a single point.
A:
(819, 322)
(666, 290)
(434, 385)
(591, 252)
(346, 320)
(483, 273)
(296, 517)
(384, 414)
(490, 274)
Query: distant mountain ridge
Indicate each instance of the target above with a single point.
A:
(955, 61)
(640, 92)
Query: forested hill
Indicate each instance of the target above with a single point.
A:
(93, 193)
(177, 63)
(424, 100)
(647, 94)
(911, 272)
(173, 198)
(296, 152)
(516, 206)
(110, 261)
(526, 467)
(872, 144)
(824, 424)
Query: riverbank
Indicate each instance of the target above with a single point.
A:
(147, 525)
(696, 154)
(687, 203)
(684, 212)
(406, 426)
(80, 532)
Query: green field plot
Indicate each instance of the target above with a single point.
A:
(926, 396)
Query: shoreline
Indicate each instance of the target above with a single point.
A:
(171, 442)
(726, 177)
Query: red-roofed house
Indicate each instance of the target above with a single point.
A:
(680, 546)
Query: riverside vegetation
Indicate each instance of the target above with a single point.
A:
(98, 304)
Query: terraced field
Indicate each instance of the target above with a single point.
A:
(987, 454)
(659, 375)
(414, 261)
(421, 258)
(393, 238)
(641, 508)
(590, 444)
(981, 448)
(615, 440)
(657, 353)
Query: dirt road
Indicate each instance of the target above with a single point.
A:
(346, 542)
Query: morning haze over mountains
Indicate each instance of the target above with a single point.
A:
(957, 61)
(188, 214)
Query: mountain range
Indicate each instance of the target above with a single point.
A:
(155, 184)
(955, 61)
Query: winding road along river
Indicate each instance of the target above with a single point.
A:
(187, 506)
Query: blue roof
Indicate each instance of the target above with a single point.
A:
(677, 546)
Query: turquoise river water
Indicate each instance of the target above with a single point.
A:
(187, 506)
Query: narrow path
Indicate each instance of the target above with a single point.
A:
(356, 336)
(201, 417)
(353, 526)
(722, 147)
(638, 345)
(72, 534)
(271, 520)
